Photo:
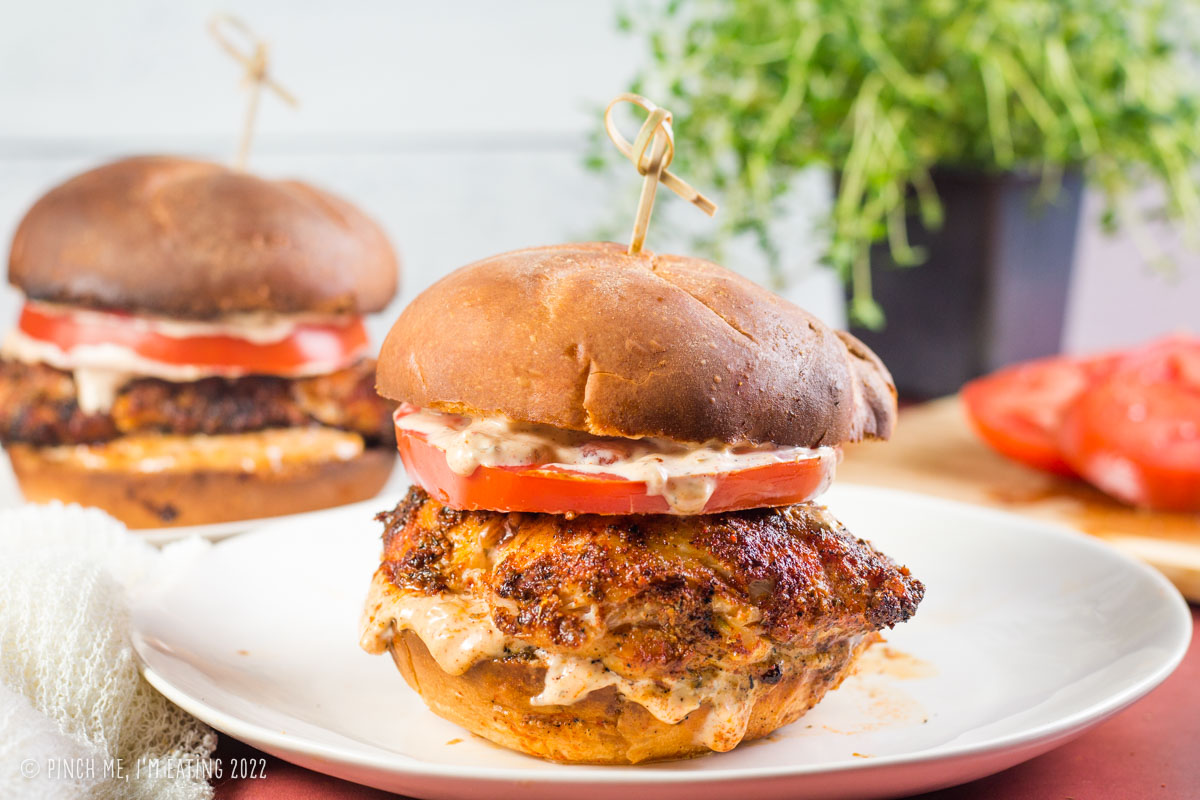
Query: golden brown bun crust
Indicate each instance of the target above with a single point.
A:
(153, 500)
(586, 337)
(177, 237)
(491, 699)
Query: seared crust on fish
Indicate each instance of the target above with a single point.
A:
(726, 606)
(38, 405)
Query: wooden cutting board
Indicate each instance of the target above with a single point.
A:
(934, 451)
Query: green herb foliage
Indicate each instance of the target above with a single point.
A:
(883, 90)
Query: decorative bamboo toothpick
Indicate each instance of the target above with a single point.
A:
(651, 152)
(255, 63)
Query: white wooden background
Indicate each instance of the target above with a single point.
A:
(459, 125)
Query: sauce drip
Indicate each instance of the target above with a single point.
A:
(458, 632)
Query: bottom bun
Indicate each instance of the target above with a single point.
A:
(491, 699)
(202, 496)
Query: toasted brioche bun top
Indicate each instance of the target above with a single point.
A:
(185, 238)
(586, 337)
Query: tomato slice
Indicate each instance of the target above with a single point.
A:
(336, 344)
(1136, 435)
(1018, 410)
(553, 490)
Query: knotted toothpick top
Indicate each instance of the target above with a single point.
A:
(651, 151)
(255, 63)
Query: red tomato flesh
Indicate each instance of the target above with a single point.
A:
(336, 345)
(1018, 410)
(1136, 434)
(550, 490)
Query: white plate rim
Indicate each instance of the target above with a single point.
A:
(396, 484)
(213, 531)
(218, 531)
(1048, 732)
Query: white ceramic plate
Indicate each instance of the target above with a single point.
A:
(1028, 635)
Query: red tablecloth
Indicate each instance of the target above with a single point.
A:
(1150, 750)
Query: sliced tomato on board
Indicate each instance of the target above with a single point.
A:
(1136, 434)
(335, 344)
(553, 490)
(1018, 410)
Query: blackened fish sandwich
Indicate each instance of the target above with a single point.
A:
(612, 554)
(191, 348)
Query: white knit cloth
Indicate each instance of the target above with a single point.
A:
(73, 704)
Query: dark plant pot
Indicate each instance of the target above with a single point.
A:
(992, 290)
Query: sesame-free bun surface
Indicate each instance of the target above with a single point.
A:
(492, 700)
(186, 238)
(201, 496)
(586, 337)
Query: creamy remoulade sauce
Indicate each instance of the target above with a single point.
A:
(100, 370)
(263, 451)
(458, 632)
(681, 473)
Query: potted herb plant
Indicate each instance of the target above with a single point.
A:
(960, 134)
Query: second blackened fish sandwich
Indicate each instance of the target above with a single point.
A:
(191, 349)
